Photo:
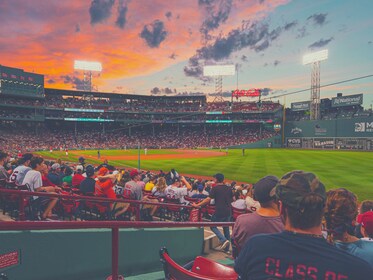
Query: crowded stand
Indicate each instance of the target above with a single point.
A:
(26, 140)
(331, 232)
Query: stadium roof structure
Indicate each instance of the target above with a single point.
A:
(51, 91)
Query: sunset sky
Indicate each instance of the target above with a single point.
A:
(160, 46)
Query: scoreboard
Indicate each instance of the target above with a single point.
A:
(14, 81)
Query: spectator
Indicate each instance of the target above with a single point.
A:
(178, 189)
(159, 189)
(68, 178)
(251, 204)
(223, 209)
(3, 159)
(300, 252)
(366, 221)
(87, 186)
(34, 180)
(366, 205)
(106, 165)
(55, 175)
(105, 186)
(202, 194)
(340, 214)
(78, 177)
(132, 186)
(239, 200)
(265, 220)
(20, 171)
(149, 185)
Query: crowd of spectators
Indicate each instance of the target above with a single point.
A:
(26, 140)
(139, 105)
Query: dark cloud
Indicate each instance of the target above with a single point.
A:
(154, 34)
(77, 83)
(244, 58)
(369, 42)
(256, 36)
(77, 28)
(265, 91)
(302, 32)
(100, 10)
(318, 19)
(51, 81)
(290, 25)
(167, 91)
(168, 15)
(276, 62)
(320, 43)
(172, 56)
(155, 91)
(217, 12)
(122, 12)
(261, 1)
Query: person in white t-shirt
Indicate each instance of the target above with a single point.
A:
(20, 171)
(178, 189)
(34, 180)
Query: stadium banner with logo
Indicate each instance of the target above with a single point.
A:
(300, 106)
(355, 127)
(323, 143)
(294, 143)
(350, 100)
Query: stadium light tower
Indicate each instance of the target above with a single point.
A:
(314, 59)
(218, 71)
(88, 67)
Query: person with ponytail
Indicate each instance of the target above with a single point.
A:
(340, 215)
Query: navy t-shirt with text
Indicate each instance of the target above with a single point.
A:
(296, 256)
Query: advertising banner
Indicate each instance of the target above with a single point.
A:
(350, 100)
(300, 106)
(294, 143)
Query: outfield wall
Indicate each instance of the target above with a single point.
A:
(86, 254)
(345, 134)
(273, 142)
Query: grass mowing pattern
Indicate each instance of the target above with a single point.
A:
(348, 169)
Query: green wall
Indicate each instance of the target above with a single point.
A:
(86, 254)
(276, 143)
(355, 127)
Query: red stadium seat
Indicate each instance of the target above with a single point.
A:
(203, 269)
(236, 212)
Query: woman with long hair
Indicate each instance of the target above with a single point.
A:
(340, 216)
(160, 187)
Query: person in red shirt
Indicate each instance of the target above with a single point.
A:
(105, 186)
(78, 177)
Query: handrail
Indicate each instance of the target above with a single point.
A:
(22, 194)
(114, 225)
(43, 225)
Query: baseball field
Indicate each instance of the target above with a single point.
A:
(348, 169)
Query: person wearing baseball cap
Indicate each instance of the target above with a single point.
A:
(300, 251)
(133, 186)
(266, 219)
(340, 215)
(366, 221)
(55, 175)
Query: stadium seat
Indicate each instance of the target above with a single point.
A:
(236, 212)
(202, 269)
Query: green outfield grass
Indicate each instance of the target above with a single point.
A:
(351, 170)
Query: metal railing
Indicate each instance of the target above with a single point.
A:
(22, 194)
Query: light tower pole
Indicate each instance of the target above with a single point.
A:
(88, 67)
(314, 59)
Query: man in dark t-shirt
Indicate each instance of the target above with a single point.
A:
(87, 186)
(300, 251)
(223, 196)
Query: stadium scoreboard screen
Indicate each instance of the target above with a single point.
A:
(14, 81)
